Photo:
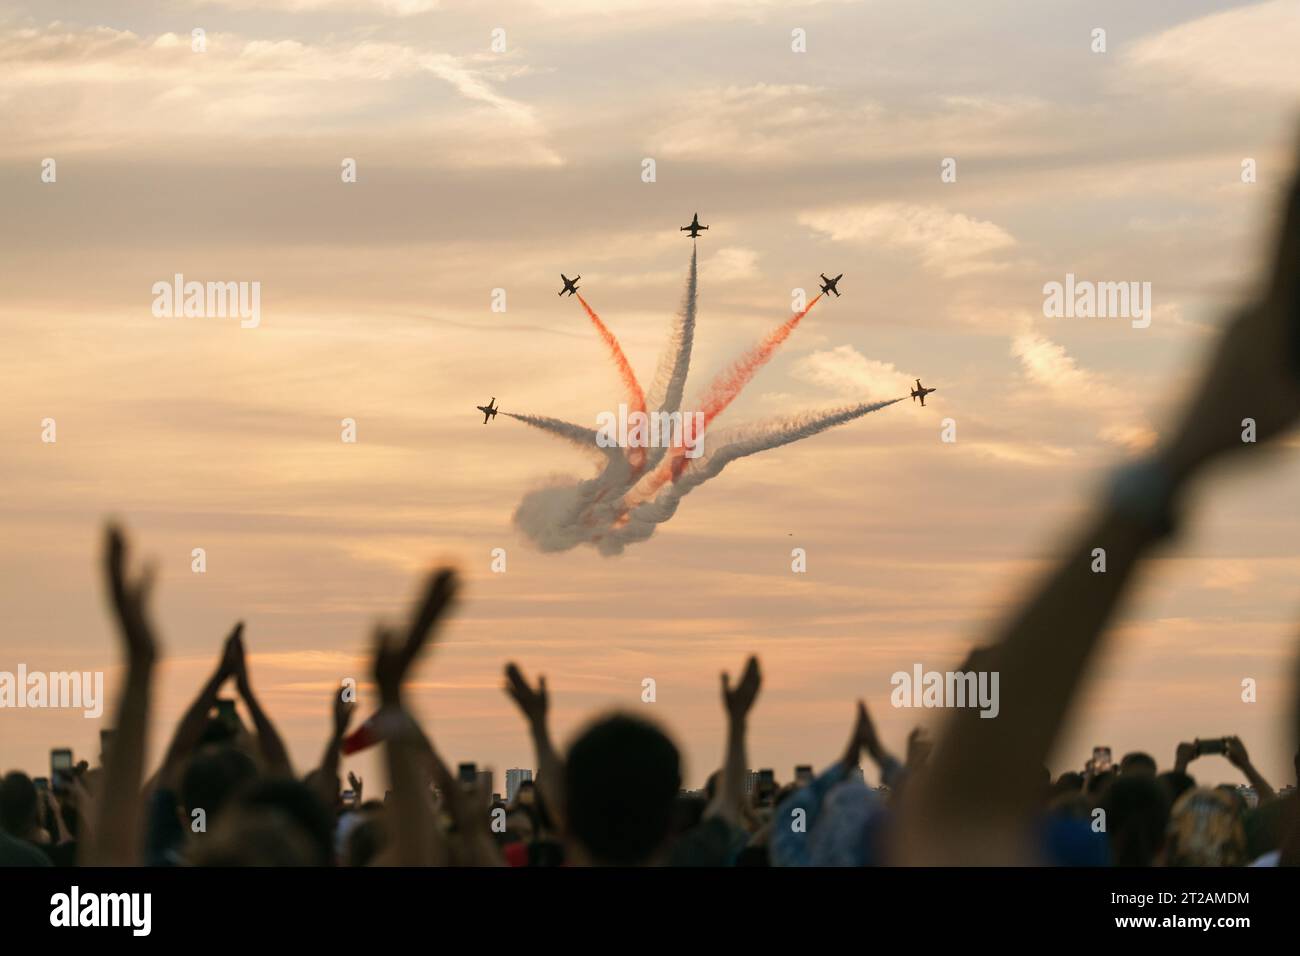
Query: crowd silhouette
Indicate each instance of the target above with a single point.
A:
(977, 793)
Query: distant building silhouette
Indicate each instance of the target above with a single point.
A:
(514, 778)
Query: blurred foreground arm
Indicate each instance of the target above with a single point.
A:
(971, 805)
(116, 833)
(415, 835)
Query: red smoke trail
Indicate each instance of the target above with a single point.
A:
(636, 396)
(726, 387)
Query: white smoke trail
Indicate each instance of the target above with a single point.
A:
(567, 512)
(670, 379)
(643, 519)
(585, 437)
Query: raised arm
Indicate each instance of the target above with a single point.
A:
(116, 834)
(410, 756)
(50, 808)
(737, 702)
(275, 757)
(413, 823)
(981, 781)
(886, 763)
(190, 728)
(980, 784)
(356, 784)
(1235, 751)
(327, 774)
(534, 704)
(1184, 754)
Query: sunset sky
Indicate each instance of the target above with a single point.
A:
(482, 170)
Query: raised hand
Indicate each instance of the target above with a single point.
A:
(326, 776)
(532, 703)
(740, 700)
(190, 729)
(389, 669)
(355, 783)
(1235, 751)
(232, 654)
(867, 727)
(115, 834)
(862, 738)
(853, 751)
(394, 655)
(130, 597)
(343, 710)
(274, 753)
(410, 754)
(239, 663)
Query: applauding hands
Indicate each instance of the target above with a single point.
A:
(393, 655)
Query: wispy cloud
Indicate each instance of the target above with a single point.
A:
(1059, 378)
(733, 263)
(950, 243)
(850, 374)
(156, 90)
(1249, 48)
(1047, 365)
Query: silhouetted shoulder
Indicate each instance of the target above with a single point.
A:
(20, 853)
